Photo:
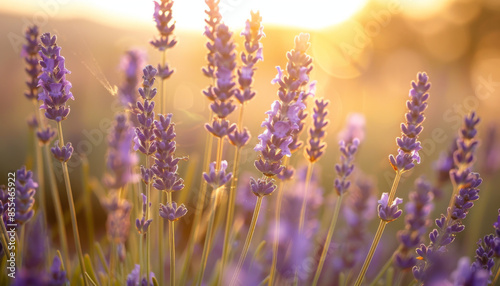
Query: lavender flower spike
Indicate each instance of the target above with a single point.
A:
(63, 153)
(317, 133)
(120, 159)
(163, 17)
(131, 64)
(25, 195)
(262, 187)
(55, 87)
(30, 54)
(172, 212)
(142, 224)
(144, 136)
(345, 168)
(388, 212)
(408, 142)
(214, 18)
(217, 179)
(417, 221)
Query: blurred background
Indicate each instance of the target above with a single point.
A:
(366, 52)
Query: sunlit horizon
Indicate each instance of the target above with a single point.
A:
(316, 14)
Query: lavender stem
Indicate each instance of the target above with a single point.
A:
(171, 244)
(310, 167)
(379, 233)
(328, 240)
(248, 240)
(72, 210)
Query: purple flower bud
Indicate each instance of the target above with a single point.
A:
(162, 16)
(217, 178)
(387, 212)
(30, 54)
(63, 154)
(57, 276)
(346, 166)
(172, 212)
(214, 18)
(32, 122)
(142, 224)
(55, 87)
(25, 195)
(45, 135)
(239, 139)
(408, 142)
(262, 187)
(131, 64)
(220, 128)
(317, 132)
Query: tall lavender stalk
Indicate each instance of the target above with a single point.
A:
(131, 64)
(405, 160)
(163, 17)
(55, 93)
(145, 140)
(214, 18)
(289, 123)
(462, 200)
(167, 180)
(341, 185)
(253, 32)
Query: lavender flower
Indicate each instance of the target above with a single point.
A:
(345, 168)
(214, 18)
(354, 128)
(317, 133)
(25, 195)
(238, 138)
(447, 229)
(133, 278)
(46, 135)
(485, 253)
(30, 54)
(32, 122)
(418, 210)
(262, 187)
(408, 142)
(172, 212)
(118, 221)
(221, 95)
(63, 154)
(388, 212)
(57, 276)
(131, 64)
(217, 179)
(55, 87)
(142, 224)
(144, 134)
(464, 155)
(466, 275)
(162, 16)
(253, 32)
(120, 159)
(165, 168)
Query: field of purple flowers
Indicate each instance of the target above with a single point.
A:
(300, 194)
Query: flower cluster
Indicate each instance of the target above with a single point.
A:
(55, 88)
(346, 166)
(221, 95)
(217, 178)
(317, 133)
(163, 17)
(408, 142)
(418, 210)
(131, 64)
(118, 221)
(120, 159)
(25, 195)
(30, 54)
(449, 226)
(389, 212)
(172, 212)
(142, 224)
(214, 18)
(144, 135)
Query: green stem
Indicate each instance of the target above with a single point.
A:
(171, 244)
(141, 255)
(369, 257)
(112, 263)
(57, 206)
(496, 277)
(230, 209)
(89, 219)
(277, 218)
(199, 208)
(72, 211)
(208, 235)
(161, 232)
(328, 240)
(304, 200)
(22, 242)
(39, 164)
(162, 92)
(248, 240)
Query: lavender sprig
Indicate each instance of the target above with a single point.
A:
(131, 64)
(30, 54)
(317, 133)
(120, 159)
(418, 210)
(408, 142)
(25, 196)
(214, 18)
(162, 16)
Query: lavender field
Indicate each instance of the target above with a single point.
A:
(250, 143)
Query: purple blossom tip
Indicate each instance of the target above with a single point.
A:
(239, 139)
(262, 187)
(388, 212)
(317, 132)
(149, 73)
(217, 178)
(163, 16)
(172, 212)
(63, 154)
(45, 135)
(220, 128)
